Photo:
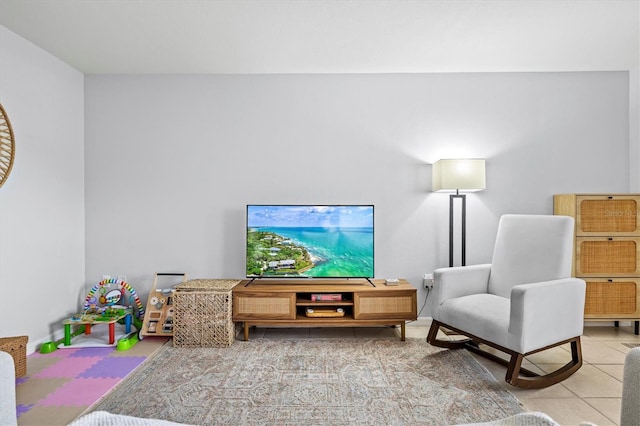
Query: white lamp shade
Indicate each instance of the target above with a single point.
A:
(466, 174)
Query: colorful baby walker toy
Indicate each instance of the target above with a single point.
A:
(111, 300)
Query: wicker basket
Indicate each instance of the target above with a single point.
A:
(17, 348)
(203, 314)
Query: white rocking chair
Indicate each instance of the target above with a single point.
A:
(524, 302)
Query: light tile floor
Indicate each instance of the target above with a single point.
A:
(591, 395)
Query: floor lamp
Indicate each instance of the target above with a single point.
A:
(457, 175)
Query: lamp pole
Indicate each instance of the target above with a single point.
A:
(463, 227)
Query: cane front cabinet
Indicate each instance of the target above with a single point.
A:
(606, 252)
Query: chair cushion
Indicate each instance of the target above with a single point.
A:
(531, 248)
(533, 418)
(483, 315)
(103, 418)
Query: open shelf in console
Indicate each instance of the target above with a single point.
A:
(325, 305)
(324, 299)
(322, 313)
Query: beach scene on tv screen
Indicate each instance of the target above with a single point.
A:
(310, 241)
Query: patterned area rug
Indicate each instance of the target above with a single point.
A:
(313, 382)
(631, 345)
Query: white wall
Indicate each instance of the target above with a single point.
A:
(171, 161)
(634, 129)
(42, 202)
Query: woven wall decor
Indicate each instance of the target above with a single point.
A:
(7, 146)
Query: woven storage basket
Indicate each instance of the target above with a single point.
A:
(17, 348)
(203, 314)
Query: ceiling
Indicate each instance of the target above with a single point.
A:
(330, 36)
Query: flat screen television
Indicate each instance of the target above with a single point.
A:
(314, 241)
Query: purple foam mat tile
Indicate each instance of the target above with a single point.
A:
(35, 390)
(68, 367)
(79, 392)
(113, 367)
(36, 365)
(23, 408)
(92, 352)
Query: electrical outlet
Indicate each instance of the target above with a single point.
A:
(427, 280)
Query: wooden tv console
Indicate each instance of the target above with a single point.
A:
(284, 302)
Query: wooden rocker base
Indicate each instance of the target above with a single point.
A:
(516, 374)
